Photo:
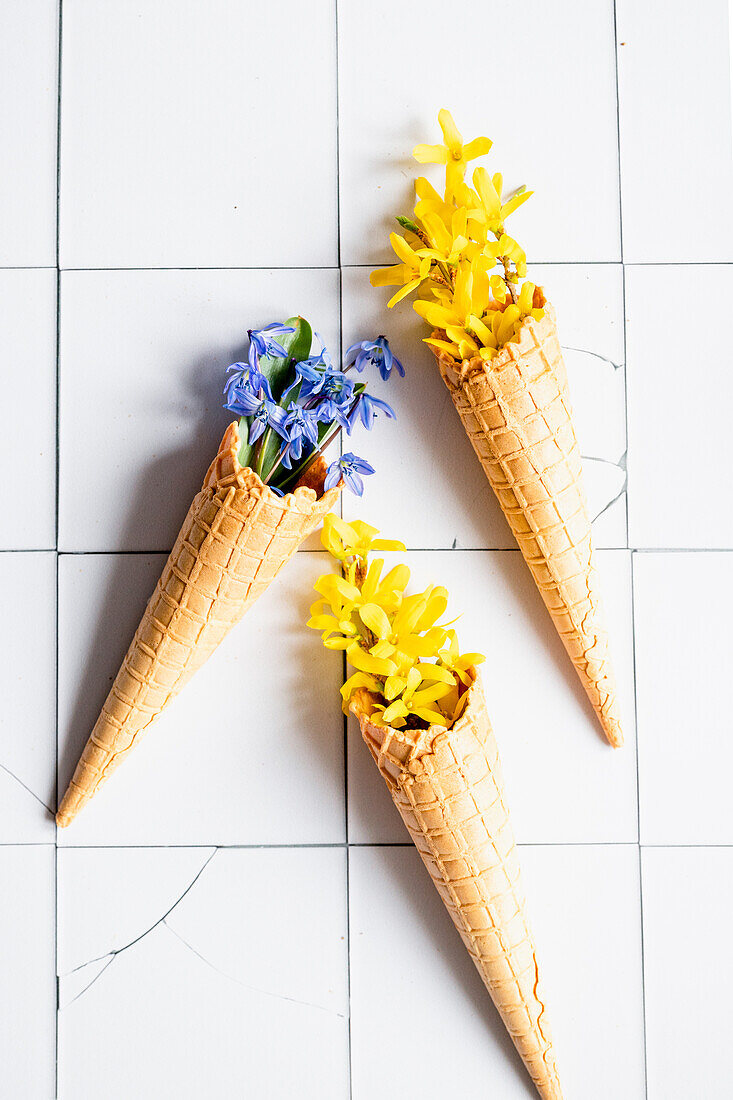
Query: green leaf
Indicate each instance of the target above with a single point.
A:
(297, 344)
(246, 450)
(278, 372)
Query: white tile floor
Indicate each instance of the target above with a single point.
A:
(264, 928)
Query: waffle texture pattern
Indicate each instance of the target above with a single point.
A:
(517, 413)
(236, 538)
(449, 789)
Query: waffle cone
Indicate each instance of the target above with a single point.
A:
(237, 536)
(448, 787)
(517, 413)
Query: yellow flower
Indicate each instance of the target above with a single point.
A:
(454, 245)
(415, 700)
(395, 643)
(353, 540)
(453, 154)
(457, 313)
(408, 275)
(490, 210)
(449, 240)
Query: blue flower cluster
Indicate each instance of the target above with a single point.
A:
(318, 401)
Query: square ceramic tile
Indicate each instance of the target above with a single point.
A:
(28, 132)
(564, 783)
(683, 604)
(680, 443)
(427, 473)
(411, 977)
(675, 119)
(148, 352)
(251, 752)
(28, 1010)
(209, 139)
(222, 992)
(28, 691)
(688, 955)
(28, 440)
(546, 97)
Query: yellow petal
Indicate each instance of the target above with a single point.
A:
(514, 203)
(434, 717)
(393, 685)
(479, 147)
(425, 190)
(365, 662)
(406, 289)
(403, 250)
(451, 133)
(396, 710)
(390, 276)
(436, 672)
(442, 345)
(430, 154)
(374, 619)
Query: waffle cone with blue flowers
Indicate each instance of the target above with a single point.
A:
(236, 538)
(266, 490)
(495, 340)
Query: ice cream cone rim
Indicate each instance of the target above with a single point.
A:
(245, 477)
(511, 351)
(424, 743)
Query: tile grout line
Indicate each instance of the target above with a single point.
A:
(612, 262)
(628, 543)
(341, 512)
(59, 17)
(409, 550)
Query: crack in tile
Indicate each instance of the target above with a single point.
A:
(245, 985)
(120, 950)
(596, 355)
(620, 463)
(610, 504)
(26, 788)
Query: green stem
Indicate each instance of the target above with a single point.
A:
(261, 451)
(307, 462)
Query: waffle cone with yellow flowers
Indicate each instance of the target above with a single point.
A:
(517, 414)
(495, 340)
(448, 787)
(236, 538)
(422, 714)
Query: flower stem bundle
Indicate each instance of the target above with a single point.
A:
(293, 402)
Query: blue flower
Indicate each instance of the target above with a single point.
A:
(349, 468)
(245, 379)
(260, 344)
(266, 415)
(309, 373)
(299, 426)
(255, 403)
(334, 386)
(334, 393)
(376, 352)
(366, 408)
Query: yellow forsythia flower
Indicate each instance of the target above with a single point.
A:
(467, 271)
(396, 643)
